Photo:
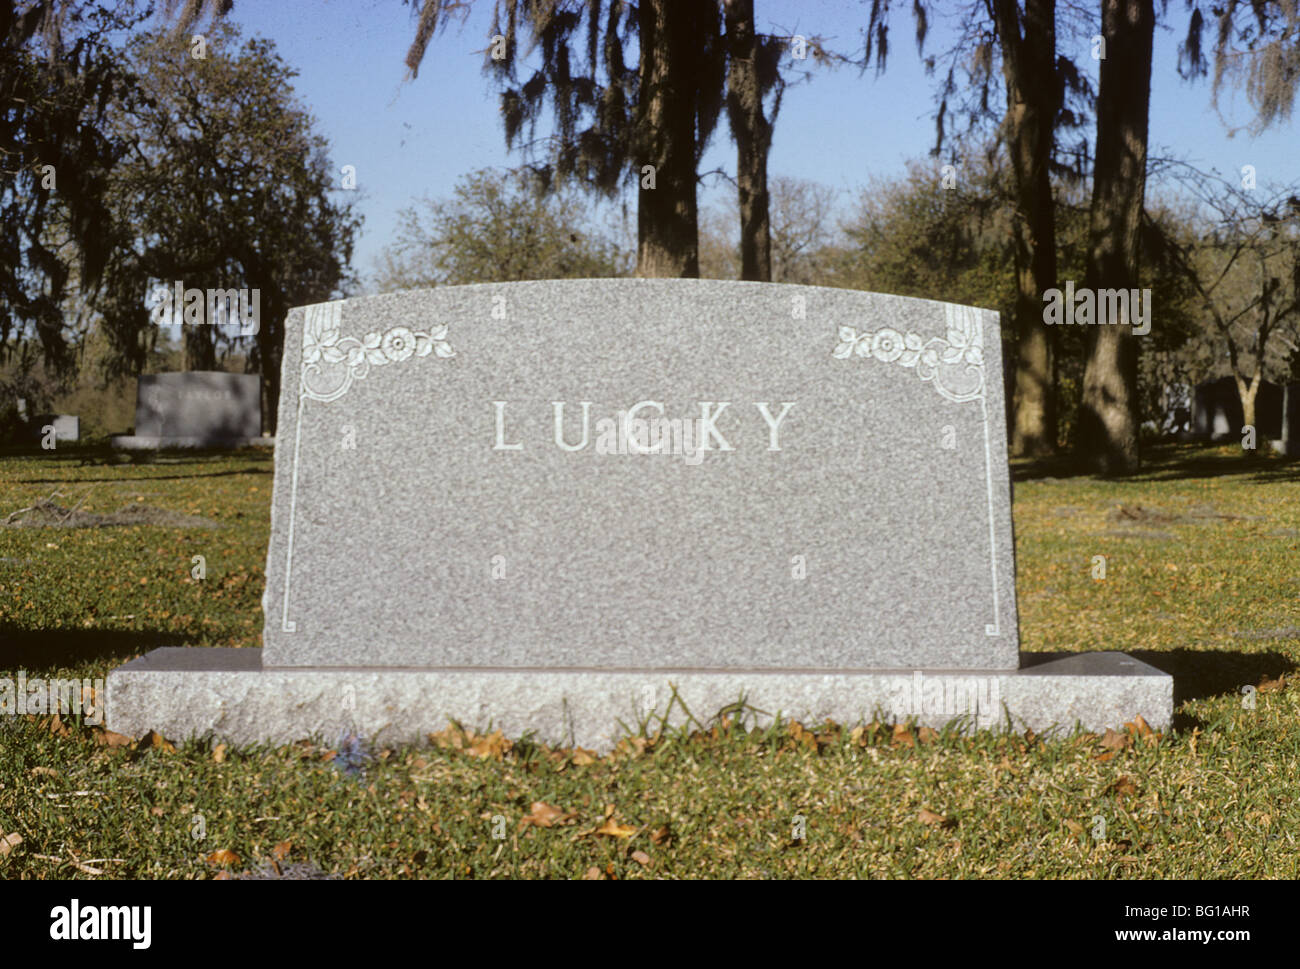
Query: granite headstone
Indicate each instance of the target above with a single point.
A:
(197, 408)
(537, 504)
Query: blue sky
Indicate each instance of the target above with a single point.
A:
(413, 138)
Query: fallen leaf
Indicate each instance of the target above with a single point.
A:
(584, 758)
(224, 857)
(661, 835)
(902, 736)
(927, 735)
(613, 829)
(223, 876)
(927, 816)
(543, 815)
(1114, 740)
(1075, 827)
(593, 875)
(1272, 686)
(495, 745)
(157, 812)
(281, 851)
(1139, 727)
(640, 857)
(106, 738)
(153, 739)
(8, 842)
(1125, 787)
(219, 754)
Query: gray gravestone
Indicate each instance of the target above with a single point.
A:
(196, 409)
(536, 504)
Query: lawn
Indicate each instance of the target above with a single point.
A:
(1201, 578)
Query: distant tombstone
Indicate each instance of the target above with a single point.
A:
(200, 408)
(552, 505)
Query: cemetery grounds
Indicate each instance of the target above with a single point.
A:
(1199, 575)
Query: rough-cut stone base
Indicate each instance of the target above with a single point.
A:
(227, 694)
(138, 442)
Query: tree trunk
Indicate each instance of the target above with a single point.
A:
(1108, 419)
(198, 349)
(270, 344)
(1029, 67)
(753, 135)
(1249, 393)
(667, 215)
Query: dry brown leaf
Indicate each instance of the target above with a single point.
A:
(1114, 740)
(584, 758)
(8, 842)
(153, 739)
(633, 746)
(593, 875)
(106, 738)
(223, 876)
(1139, 727)
(640, 857)
(495, 745)
(1272, 686)
(1109, 755)
(926, 816)
(902, 736)
(613, 829)
(223, 857)
(452, 738)
(157, 812)
(927, 735)
(1075, 827)
(281, 851)
(1124, 787)
(661, 835)
(543, 815)
(219, 753)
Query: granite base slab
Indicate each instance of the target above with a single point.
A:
(227, 694)
(145, 442)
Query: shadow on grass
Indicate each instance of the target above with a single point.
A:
(37, 651)
(1202, 674)
(144, 477)
(94, 457)
(1168, 462)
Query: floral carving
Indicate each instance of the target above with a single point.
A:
(953, 363)
(331, 361)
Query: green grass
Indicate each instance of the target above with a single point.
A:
(1203, 581)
